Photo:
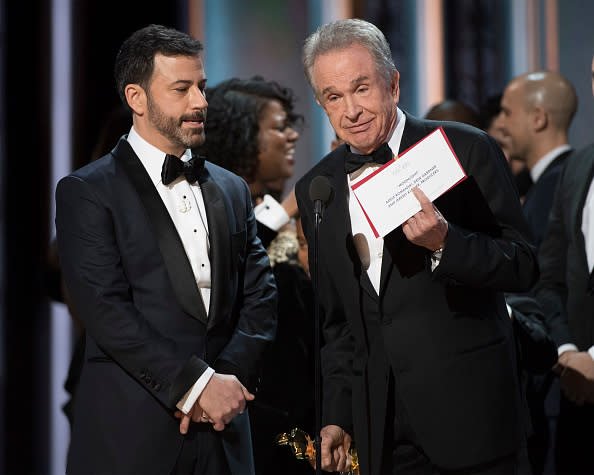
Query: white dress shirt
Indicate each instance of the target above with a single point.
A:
(185, 205)
(359, 223)
(538, 169)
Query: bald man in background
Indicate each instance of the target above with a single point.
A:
(566, 292)
(536, 112)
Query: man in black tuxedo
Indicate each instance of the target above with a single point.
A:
(419, 361)
(536, 112)
(161, 259)
(566, 292)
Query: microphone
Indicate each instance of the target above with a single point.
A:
(320, 191)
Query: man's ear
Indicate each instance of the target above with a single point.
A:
(396, 86)
(540, 119)
(136, 97)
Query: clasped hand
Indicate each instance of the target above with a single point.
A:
(576, 370)
(221, 400)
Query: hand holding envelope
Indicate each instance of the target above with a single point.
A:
(427, 228)
(388, 200)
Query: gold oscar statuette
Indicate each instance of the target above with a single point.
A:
(303, 448)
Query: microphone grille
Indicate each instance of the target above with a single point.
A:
(320, 189)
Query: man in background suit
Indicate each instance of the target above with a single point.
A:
(566, 292)
(536, 112)
(161, 259)
(419, 360)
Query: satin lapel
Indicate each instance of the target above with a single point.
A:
(174, 256)
(390, 246)
(336, 237)
(367, 285)
(581, 192)
(220, 244)
(412, 133)
(338, 223)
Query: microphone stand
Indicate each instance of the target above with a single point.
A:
(317, 343)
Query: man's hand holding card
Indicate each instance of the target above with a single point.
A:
(401, 192)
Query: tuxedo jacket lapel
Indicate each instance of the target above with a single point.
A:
(581, 193)
(413, 133)
(171, 247)
(219, 237)
(337, 221)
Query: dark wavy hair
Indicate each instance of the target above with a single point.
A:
(235, 108)
(135, 60)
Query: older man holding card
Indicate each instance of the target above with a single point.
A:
(419, 366)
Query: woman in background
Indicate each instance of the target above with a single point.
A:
(250, 130)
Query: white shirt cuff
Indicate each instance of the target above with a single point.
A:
(591, 351)
(271, 213)
(566, 347)
(186, 403)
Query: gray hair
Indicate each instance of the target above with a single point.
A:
(340, 35)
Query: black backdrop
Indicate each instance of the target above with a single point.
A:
(98, 28)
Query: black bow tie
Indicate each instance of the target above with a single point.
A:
(173, 167)
(354, 161)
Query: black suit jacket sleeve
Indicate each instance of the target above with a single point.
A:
(551, 290)
(256, 326)
(266, 234)
(499, 256)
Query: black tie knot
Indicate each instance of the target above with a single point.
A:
(173, 167)
(354, 161)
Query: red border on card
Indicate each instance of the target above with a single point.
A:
(375, 233)
(364, 180)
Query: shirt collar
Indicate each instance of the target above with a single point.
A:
(150, 156)
(396, 138)
(538, 169)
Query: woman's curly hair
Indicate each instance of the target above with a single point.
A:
(232, 123)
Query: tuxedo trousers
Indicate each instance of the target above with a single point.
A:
(202, 452)
(575, 438)
(403, 454)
